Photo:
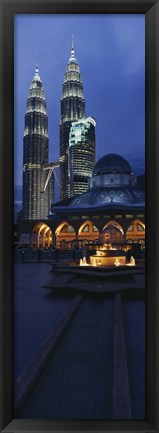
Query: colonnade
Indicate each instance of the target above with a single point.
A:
(65, 235)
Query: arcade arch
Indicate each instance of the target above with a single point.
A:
(112, 232)
(88, 232)
(136, 232)
(41, 236)
(65, 234)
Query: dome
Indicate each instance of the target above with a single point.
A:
(112, 163)
(109, 195)
(112, 183)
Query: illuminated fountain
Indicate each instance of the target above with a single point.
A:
(106, 255)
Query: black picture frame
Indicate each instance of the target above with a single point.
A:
(7, 10)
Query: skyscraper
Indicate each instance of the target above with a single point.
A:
(72, 109)
(37, 197)
(82, 153)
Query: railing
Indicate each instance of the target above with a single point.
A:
(42, 256)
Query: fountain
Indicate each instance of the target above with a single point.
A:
(106, 255)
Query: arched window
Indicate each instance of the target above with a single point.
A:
(95, 229)
(86, 228)
(130, 229)
(130, 241)
(67, 229)
(140, 228)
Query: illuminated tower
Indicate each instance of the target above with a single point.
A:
(82, 151)
(72, 109)
(37, 198)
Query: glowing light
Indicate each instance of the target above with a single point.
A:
(94, 263)
(132, 261)
(83, 262)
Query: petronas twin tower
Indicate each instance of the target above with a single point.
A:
(77, 145)
(36, 204)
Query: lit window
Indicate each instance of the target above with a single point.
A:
(140, 228)
(129, 216)
(130, 229)
(95, 229)
(67, 228)
(86, 228)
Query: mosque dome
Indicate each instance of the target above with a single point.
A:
(112, 183)
(112, 163)
(105, 196)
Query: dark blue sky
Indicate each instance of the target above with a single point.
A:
(110, 50)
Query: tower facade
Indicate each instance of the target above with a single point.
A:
(82, 152)
(37, 199)
(72, 109)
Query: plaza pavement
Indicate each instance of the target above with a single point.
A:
(36, 311)
(78, 380)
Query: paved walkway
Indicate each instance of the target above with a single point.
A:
(134, 321)
(77, 381)
(36, 311)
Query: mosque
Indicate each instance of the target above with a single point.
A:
(113, 207)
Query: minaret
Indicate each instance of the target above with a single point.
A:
(72, 109)
(36, 201)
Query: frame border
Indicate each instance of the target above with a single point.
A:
(7, 10)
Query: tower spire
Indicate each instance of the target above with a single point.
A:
(37, 76)
(72, 42)
(37, 68)
(72, 49)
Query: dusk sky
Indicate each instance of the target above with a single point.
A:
(110, 50)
